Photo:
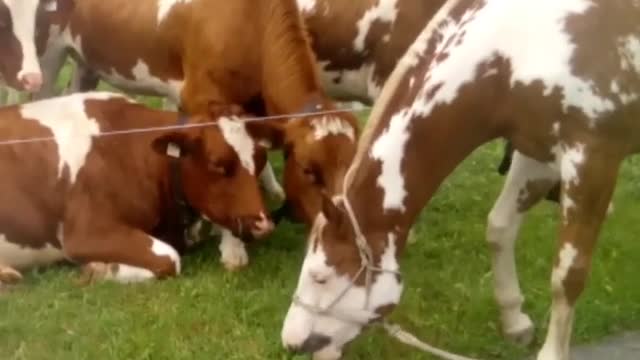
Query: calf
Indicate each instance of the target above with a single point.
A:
(97, 179)
(181, 50)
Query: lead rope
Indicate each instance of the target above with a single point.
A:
(393, 330)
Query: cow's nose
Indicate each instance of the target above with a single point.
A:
(31, 82)
(262, 227)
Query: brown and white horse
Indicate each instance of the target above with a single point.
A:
(560, 79)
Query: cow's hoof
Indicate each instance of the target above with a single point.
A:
(234, 258)
(93, 272)
(9, 276)
(523, 333)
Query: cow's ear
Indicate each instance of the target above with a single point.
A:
(269, 133)
(175, 144)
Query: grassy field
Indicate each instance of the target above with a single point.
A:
(208, 313)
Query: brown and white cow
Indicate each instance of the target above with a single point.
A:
(480, 70)
(98, 179)
(184, 50)
(19, 67)
(359, 42)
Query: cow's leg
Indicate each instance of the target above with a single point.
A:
(270, 183)
(588, 181)
(83, 79)
(233, 251)
(527, 182)
(51, 62)
(120, 253)
(9, 275)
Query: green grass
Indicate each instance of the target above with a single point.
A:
(208, 313)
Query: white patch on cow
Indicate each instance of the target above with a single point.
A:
(329, 125)
(306, 6)
(389, 148)
(165, 6)
(384, 11)
(21, 257)
(299, 322)
(232, 250)
(566, 257)
(127, 274)
(235, 133)
(161, 248)
(70, 125)
(485, 33)
(351, 84)
(23, 16)
(143, 82)
(555, 128)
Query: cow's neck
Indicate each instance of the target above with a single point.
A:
(290, 80)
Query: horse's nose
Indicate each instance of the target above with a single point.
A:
(314, 343)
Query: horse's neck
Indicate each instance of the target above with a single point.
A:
(290, 79)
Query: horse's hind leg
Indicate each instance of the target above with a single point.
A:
(527, 182)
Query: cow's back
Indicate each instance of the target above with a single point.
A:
(358, 43)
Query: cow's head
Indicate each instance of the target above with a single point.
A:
(318, 150)
(334, 302)
(219, 164)
(19, 66)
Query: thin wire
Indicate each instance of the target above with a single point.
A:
(188, 126)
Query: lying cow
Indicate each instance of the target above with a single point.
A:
(83, 182)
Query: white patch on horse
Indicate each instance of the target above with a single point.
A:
(568, 161)
(629, 48)
(299, 322)
(165, 6)
(235, 133)
(161, 248)
(143, 82)
(555, 128)
(566, 257)
(19, 257)
(70, 125)
(328, 125)
(473, 41)
(306, 6)
(385, 11)
(389, 149)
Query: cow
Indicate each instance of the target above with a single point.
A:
(480, 70)
(19, 66)
(181, 50)
(102, 181)
(358, 43)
